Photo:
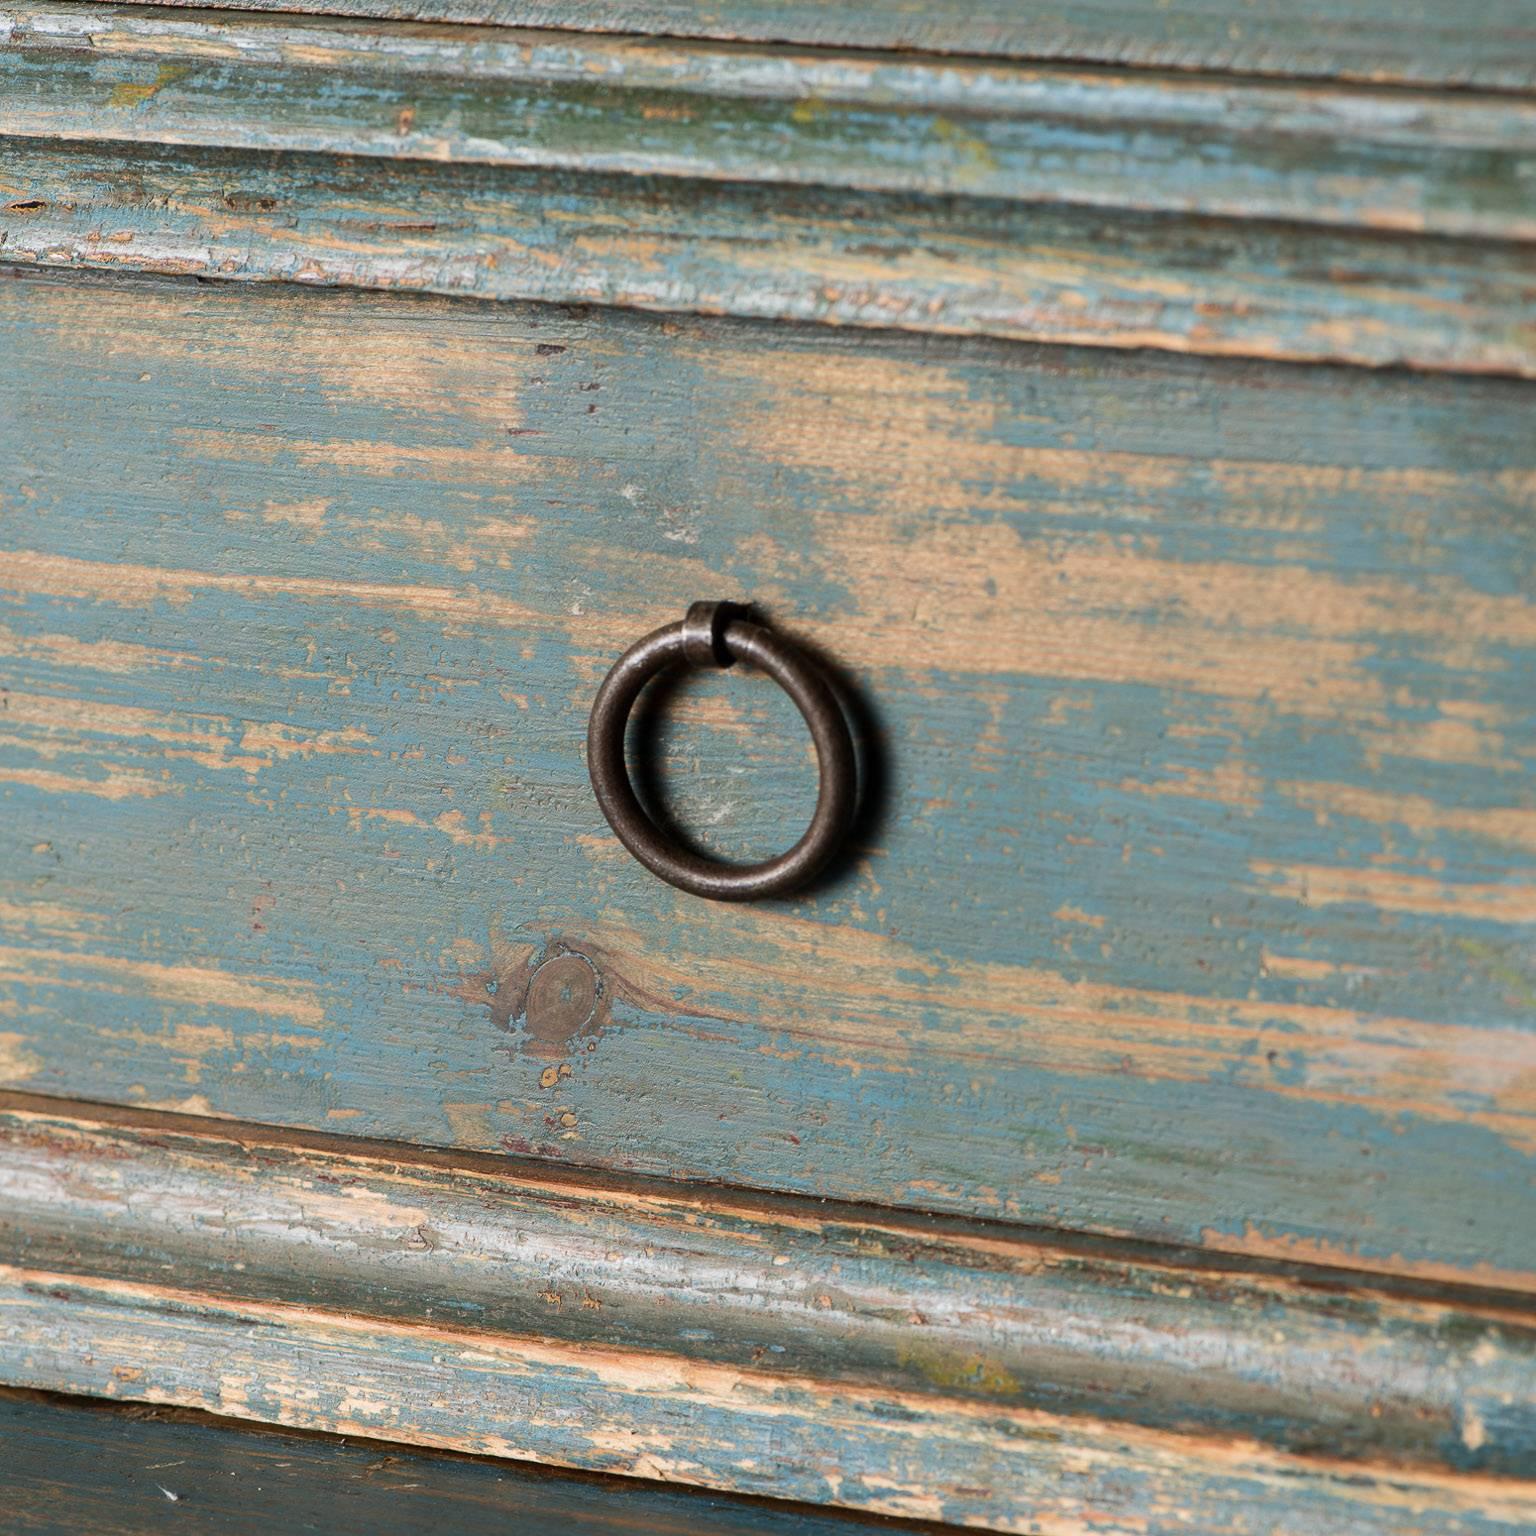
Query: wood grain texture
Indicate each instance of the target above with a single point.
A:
(1490, 44)
(1300, 1360)
(1030, 272)
(1237, 218)
(78, 1464)
(615, 1410)
(1196, 902)
(1446, 163)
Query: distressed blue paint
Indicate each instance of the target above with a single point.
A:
(80, 1466)
(775, 1287)
(626, 1412)
(1035, 272)
(1361, 39)
(918, 1082)
(1180, 143)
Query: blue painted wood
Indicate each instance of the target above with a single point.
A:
(1198, 901)
(959, 1316)
(1252, 218)
(837, 258)
(1375, 40)
(1425, 162)
(78, 1464)
(615, 1410)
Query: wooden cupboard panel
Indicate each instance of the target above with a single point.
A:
(1197, 901)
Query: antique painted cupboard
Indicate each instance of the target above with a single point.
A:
(1130, 407)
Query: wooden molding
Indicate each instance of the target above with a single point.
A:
(1041, 274)
(1417, 162)
(115, 1469)
(896, 1364)
(1487, 45)
(1196, 214)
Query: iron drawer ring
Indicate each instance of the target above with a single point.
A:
(716, 635)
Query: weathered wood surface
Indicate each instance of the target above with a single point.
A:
(77, 1465)
(1197, 902)
(839, 188)
(1492, 43)
(842, 258)
(612, 1409)
(1301, 1360)
(1436, 163)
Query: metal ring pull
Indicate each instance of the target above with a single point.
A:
(714, 635)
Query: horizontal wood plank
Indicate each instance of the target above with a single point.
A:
(1229, 217)
(1196, 894)
(785, 1288)
(1490, 44)
(81, 1464)
(914, 1368)
(1028, 272)
(613, 1410)
(1446, 163)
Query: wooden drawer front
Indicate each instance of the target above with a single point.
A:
(1197, 898)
